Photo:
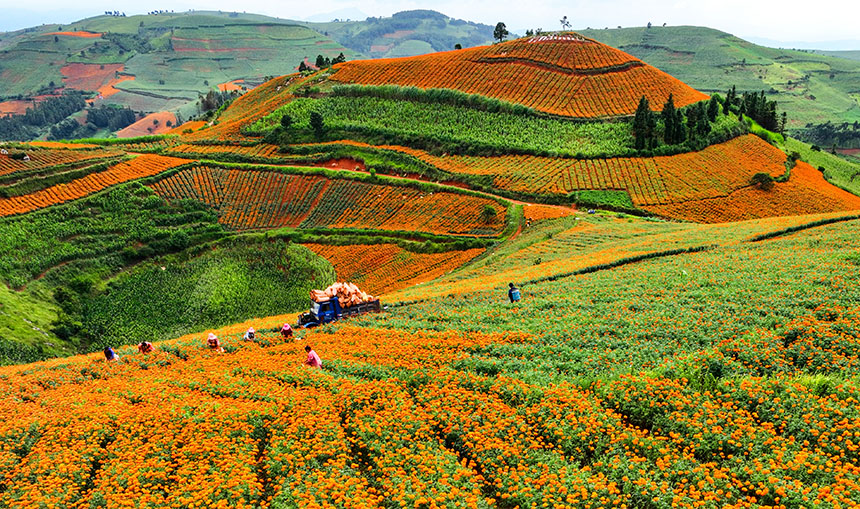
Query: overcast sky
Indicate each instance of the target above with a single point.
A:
(776, 20)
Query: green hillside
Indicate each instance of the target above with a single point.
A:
(812, 88)
(406, 33)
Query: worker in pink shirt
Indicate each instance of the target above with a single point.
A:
(313, 359)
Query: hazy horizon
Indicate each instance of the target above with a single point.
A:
(787, 23)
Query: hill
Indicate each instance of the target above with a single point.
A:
(406, 33)
(162, 63)
(812, 88)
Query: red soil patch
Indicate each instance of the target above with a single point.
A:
(88, 35)
(849, 151)
(15, 107)
(344, 163)
(89, 76)
(231, 86)
(110, 89)
(381, 48)
(145, 127)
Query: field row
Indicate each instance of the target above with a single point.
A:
(269, 199)
(139, 167)
(382, 268)
(261, 150)
(45, 158)
(544, 89)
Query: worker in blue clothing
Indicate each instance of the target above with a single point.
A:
(513, 293)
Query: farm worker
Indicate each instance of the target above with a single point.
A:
(286, 331)
(110, 355)
(513, 293)
(250, 335)
(145, 347)
(214, 343)
(313, 359)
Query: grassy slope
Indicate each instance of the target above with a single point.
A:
(712, 61)
(839, 171)
(21, 314)
(410, 34)
(247, 47)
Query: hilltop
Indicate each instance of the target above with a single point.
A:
(162, 63)
(812, 88)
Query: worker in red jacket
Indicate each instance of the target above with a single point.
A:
(145, 347)
(214, 343)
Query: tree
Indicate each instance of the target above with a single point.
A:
(529, 32)
(565, 24)
(341, 58)
(488, 213)
(643, 125)
(320, 63)
(713, 109)
(730, 100)
(680, 132)
(668, 116)
(317, 124)
(458, 46)
(302, 66)
(762, 180)
(500, 32)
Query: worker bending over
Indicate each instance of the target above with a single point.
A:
(313, 359)
(214, 343)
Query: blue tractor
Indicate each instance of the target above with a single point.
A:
(330, 310)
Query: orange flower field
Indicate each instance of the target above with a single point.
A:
(248, 199)
(139, 167)
(382, 268)
(263, 151)
(805, 190)
(574, 77)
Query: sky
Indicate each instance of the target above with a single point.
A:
(773, 21)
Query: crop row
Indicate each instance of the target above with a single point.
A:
(139, 167)
(383, 268)
(45, 158)
(259, 151)
(246, 199)
(544, 89)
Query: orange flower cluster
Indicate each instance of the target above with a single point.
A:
(246, 199)
(383, 268)
(139, 167)
(77, 33)
(569, 77)
(805, 192)
(52, 156)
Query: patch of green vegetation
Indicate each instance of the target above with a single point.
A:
(201, 288)
(448, 127)
(95, 237)
(25, 324)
